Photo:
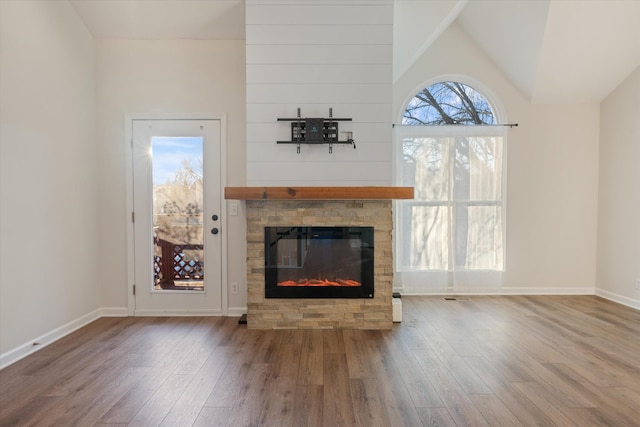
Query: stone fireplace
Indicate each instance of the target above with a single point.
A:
(319, 207)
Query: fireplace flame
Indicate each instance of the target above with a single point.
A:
(316, 282)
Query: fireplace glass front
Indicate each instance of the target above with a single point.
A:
(318, 262)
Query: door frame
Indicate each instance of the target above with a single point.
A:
(128, 142)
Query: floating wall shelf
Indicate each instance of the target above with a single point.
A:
(316, 131)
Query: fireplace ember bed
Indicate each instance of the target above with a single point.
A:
(319, 262)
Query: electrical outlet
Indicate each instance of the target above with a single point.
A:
(233, 208)
(234, 288)
(637, 283)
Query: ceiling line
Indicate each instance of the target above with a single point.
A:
(446, 22)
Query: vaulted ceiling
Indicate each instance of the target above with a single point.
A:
(554, 51)
(163, 19)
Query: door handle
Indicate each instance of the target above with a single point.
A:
(214, 230)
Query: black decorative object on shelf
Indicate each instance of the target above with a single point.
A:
(317, 131)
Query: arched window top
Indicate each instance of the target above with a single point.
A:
(448, 103)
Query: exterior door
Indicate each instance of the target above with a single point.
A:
(177, 208)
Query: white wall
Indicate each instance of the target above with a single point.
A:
(552, 166)
(48, 219)
(619, 201)
(164, 77)
(315, 55)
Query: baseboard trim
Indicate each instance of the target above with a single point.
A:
(620, 299)
(506, 291)
(44, 340)
(124, 312)
(177, 313)
(546, 291)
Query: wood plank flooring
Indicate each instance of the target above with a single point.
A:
(488, 361)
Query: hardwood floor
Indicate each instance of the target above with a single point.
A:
(497, 361)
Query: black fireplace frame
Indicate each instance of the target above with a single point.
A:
(365, 235)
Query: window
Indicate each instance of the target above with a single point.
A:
(453, 157)
(448, 103)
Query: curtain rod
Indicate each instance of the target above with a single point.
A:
(511, 125)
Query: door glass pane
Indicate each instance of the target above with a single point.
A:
(178, 208)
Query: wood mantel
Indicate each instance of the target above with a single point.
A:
(318, 193)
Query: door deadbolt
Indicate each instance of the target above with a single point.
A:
(214, 217)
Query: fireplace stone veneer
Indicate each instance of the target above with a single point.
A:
(319, 313)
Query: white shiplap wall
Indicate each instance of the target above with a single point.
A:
(315, 55)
